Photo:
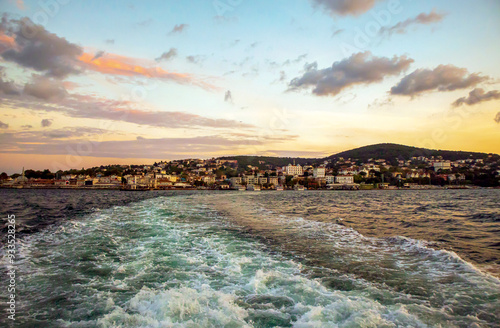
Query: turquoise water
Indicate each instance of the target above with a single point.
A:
(219, 260)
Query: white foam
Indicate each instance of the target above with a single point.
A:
(184, 307)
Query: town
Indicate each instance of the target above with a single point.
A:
(230, 174)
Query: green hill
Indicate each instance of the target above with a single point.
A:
(388, 151)
(277, 161)
(391, 152)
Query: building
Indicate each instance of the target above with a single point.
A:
(235, 181)
(293, 170)
(163, 183)
(262, 180)
(273, 181)
(209, 179)
(442, 165)
(344, 179)
(330, 179)
(319, 172)
(250, 179)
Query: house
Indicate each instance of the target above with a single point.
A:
(330, 179)
(61, 182)
(250, 179)
(293, 170)
(208, 179)
(441, 165)
(262, 180)
(163, 183)
(344, 179)
(319, 172)
(235, 181)
(273, 181)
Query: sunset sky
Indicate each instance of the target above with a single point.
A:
(84, 83)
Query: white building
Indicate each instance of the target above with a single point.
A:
(250, 179)
(319, 172)
(208, 179)
(273, 181)
(235, 181)
(293, 170)
(330, 179)
(262, 180)
(344, 179)
(442, 165)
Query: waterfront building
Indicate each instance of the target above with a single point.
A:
(344, 179)
(442, 165)
(273, 181)
(293, 170)
(319, 172)
(330, 179)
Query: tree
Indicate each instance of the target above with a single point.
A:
(4, 176)
(46, 174)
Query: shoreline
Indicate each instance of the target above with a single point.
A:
(340, 188)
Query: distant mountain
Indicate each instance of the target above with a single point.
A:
(388, 151)
(391, 152)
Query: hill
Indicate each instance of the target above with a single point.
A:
(262, 161)
(388, 151)
(391, 152)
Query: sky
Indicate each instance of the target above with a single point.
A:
(87, 83)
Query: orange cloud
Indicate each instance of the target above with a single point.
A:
(126, 66)
(7, 41)
(20, 4)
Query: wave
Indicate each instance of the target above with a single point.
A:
(185, 263)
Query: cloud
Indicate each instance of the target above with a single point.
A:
(72, 132)
(126, 66)
(139, 147)
(145, 22)
(109, 41)
(98, 54)
(27, 126)
(42, 51)
(3, 125)
(6, 41)
(7, 87)
(45, 88)
(179, 28)
(298, 59)
(282, 76)
(85, 106)
(56, 57)
(46, 123)
(20, 4)
(477, 96)
(497, 118)
(422, 19)
(167, 55)
(442, 78)
(345, 7)
(296, 153)
(196, 59)
(360, 68)
(337, 32)
(228, 97)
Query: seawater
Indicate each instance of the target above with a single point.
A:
(244, 260)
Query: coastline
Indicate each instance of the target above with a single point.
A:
(339, 188)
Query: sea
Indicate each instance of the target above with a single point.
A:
(388, 258)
